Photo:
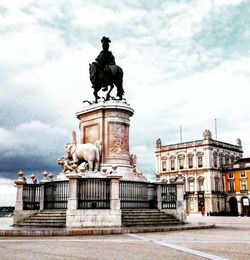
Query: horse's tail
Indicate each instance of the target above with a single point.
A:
(119, 81)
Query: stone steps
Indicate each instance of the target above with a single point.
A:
(45, 218)
(147, 217)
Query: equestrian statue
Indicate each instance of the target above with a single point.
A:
(104, 72)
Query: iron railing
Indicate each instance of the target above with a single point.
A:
(31, 196)
(94, 193)
(56, 195)
(134, 195)
(169, 196)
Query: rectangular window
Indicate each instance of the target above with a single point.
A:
(231, 175)
(216, 184)
(200, 163)
(243, 175)
(190, 162)
(164, 166)
(215, 161)
(191, 186)
(231, 186)
(243, 185)
(172, 164)
(201, 186)
(221, 161)
(181, 164)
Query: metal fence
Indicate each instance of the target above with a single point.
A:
(94, 193)
(31, 196)
(134, 195)
(56, 195)
(169, 196)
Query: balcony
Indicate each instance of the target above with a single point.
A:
(243, 191)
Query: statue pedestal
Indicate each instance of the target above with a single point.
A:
(109, 122)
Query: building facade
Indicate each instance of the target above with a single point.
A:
(200, 163)
(237, 179)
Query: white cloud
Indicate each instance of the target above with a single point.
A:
(170, 77)
(8, 192)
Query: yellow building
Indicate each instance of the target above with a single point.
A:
(237, 179)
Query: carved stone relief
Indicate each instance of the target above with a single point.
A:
(118, 139)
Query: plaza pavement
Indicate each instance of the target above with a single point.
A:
(230, 240)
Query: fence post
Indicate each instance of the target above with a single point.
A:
(180, 198)
(115, 202)
(151, 194)
(19, 194)
(159, 195)
(42, 182)
(72, 199)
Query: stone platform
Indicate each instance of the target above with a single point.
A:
(6, 230)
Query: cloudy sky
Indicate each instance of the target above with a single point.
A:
(185, 63)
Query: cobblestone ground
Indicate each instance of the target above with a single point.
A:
(230, 240)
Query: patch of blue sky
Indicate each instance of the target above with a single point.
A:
(3, 10)
(225, 31)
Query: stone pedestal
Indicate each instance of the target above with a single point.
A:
(19, 195)
(109, 122)
(72, 199)
(114, 192)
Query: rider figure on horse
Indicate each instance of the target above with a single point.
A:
(106, 59)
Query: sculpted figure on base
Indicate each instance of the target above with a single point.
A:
(82, 153)
(104, 72)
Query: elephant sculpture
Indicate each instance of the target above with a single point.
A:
(85, 152)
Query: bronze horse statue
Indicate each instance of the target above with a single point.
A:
(102, 78)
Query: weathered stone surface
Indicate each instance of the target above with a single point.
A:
(93, 218)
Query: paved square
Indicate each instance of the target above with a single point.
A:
(230, 240)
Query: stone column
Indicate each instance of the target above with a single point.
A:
(72, 200)
(115, 202)
(159, 197)
(151, 194)
(180, 206)
(44, 179)
(41, 195)
(19, 194)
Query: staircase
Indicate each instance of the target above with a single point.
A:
(147, 217)
(45, 218)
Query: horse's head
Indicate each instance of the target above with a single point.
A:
(92, 71)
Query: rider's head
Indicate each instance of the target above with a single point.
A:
(105, 43)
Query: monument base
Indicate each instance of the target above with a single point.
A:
(79, 218)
